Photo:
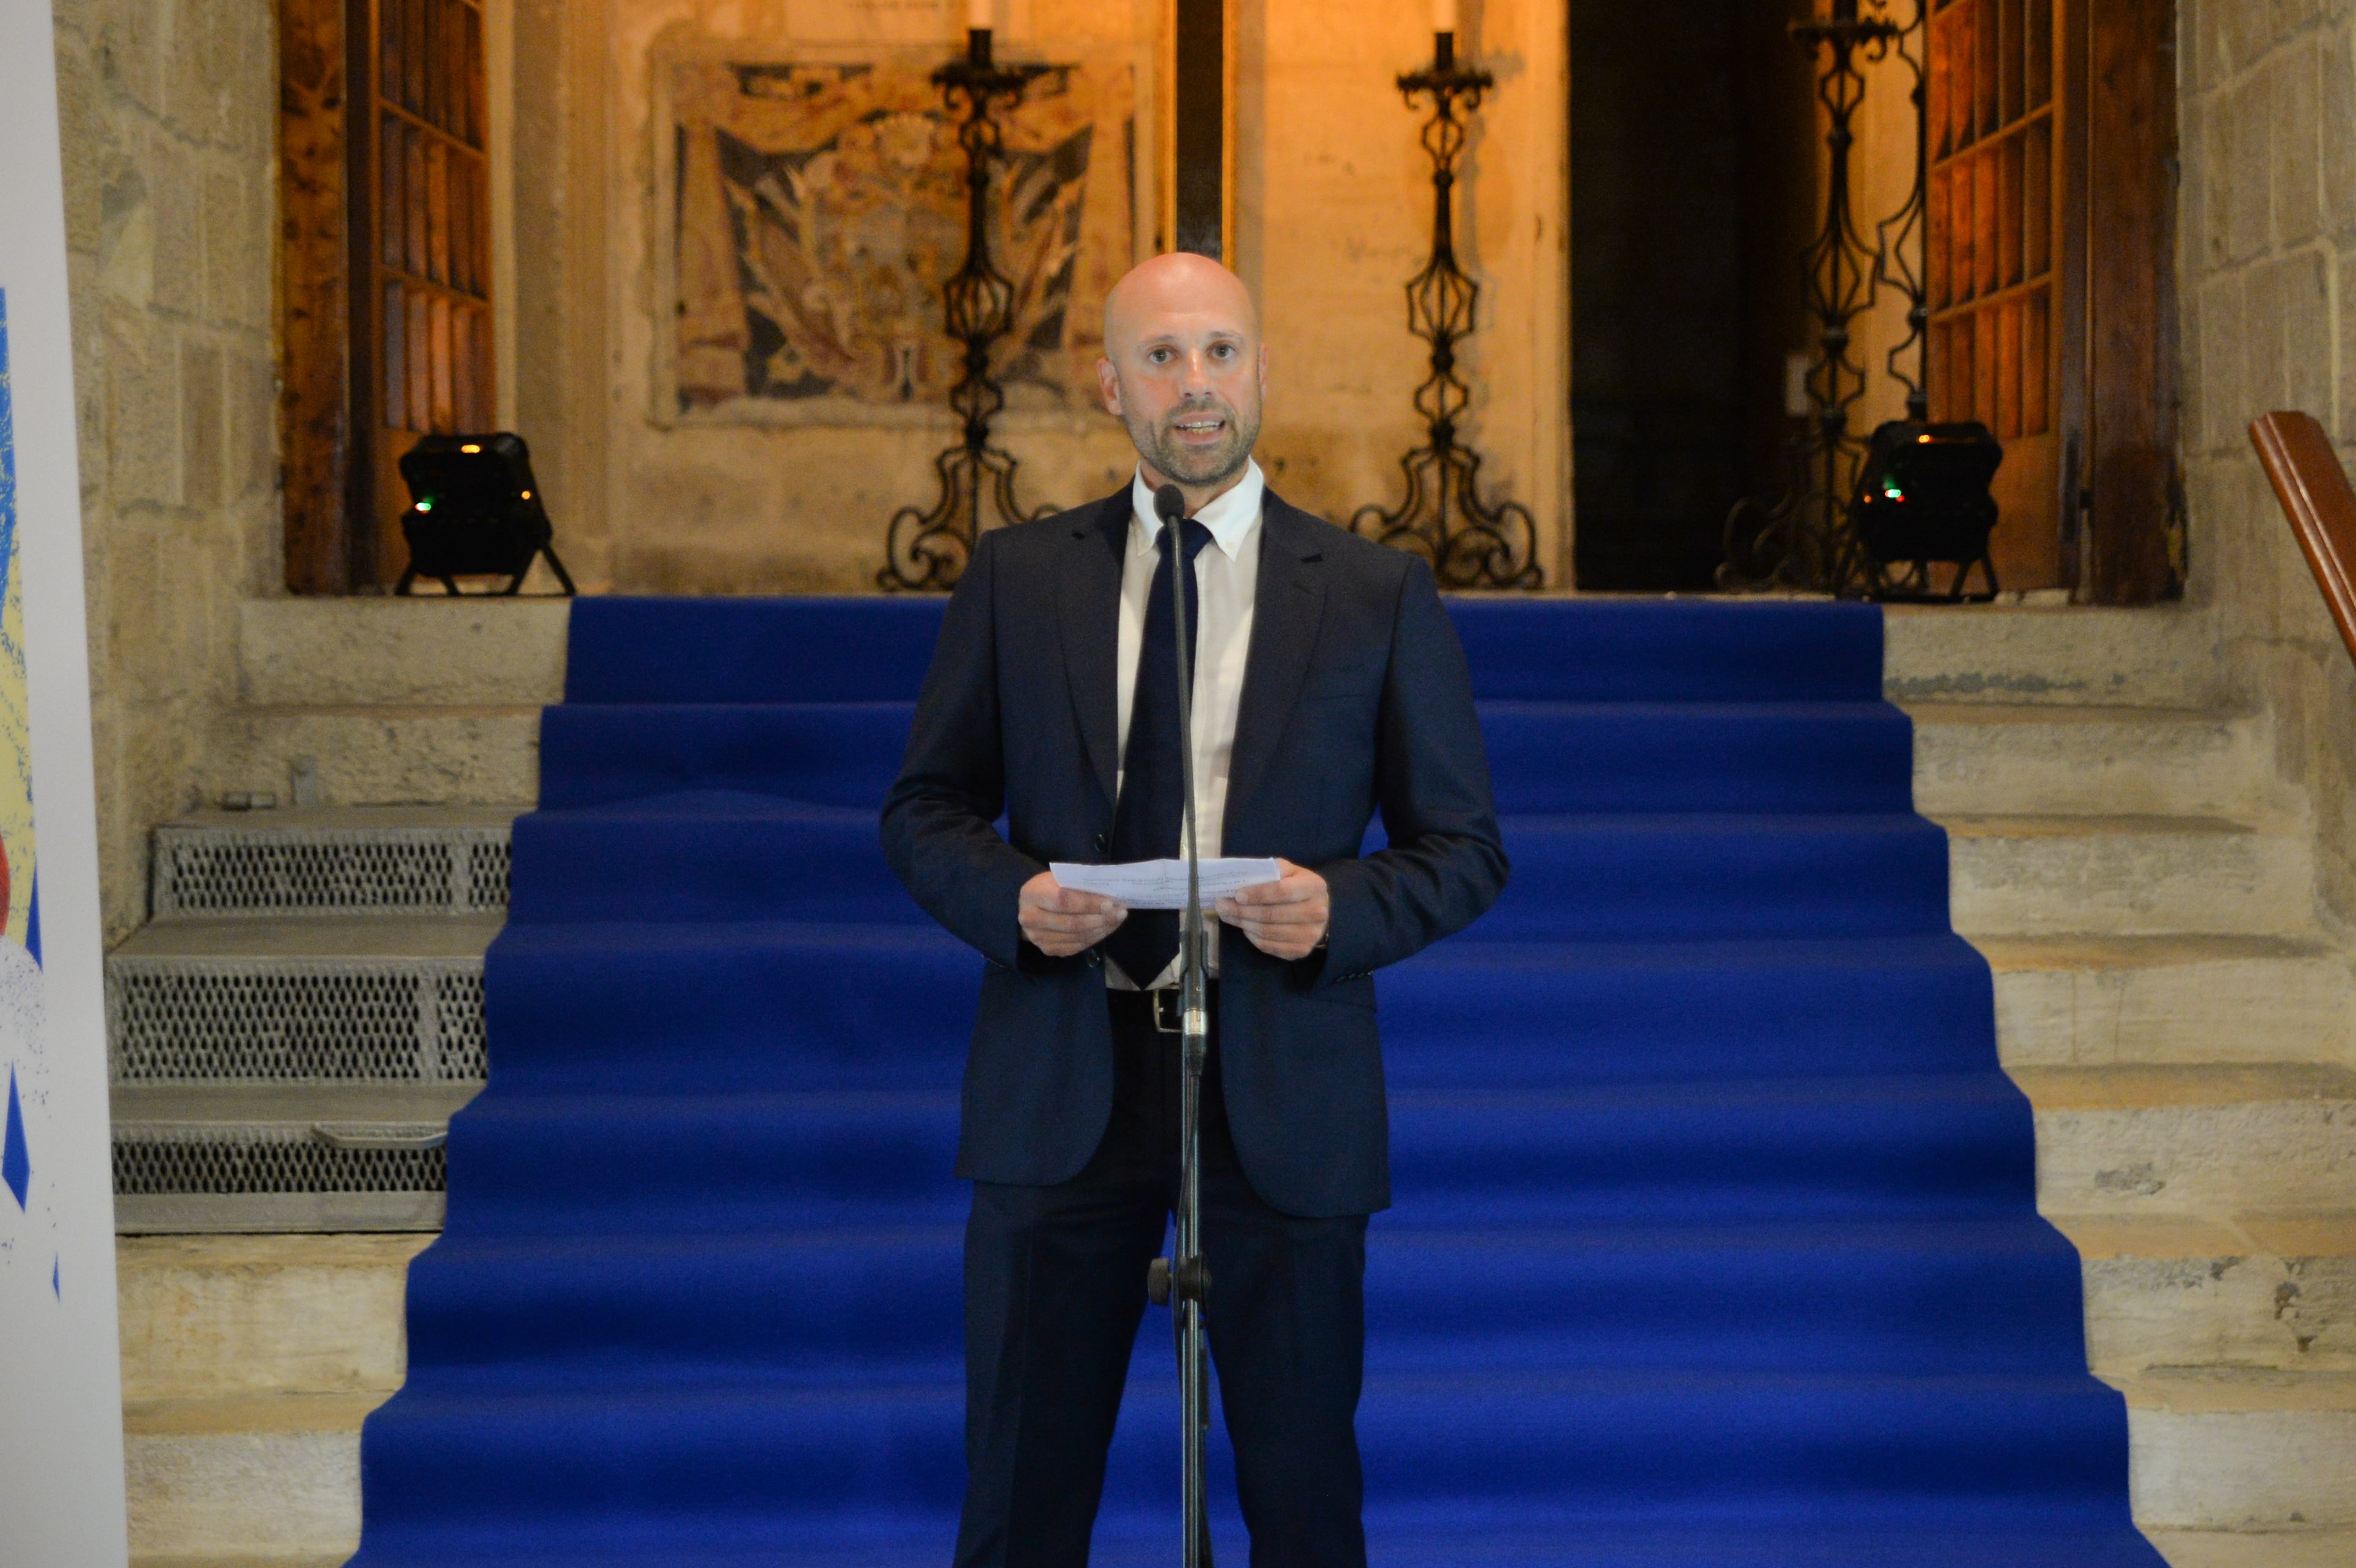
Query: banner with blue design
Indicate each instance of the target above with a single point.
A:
(61, 1378)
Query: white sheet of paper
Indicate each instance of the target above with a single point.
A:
(1161, 884)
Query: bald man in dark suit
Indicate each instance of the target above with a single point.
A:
(1328, 683)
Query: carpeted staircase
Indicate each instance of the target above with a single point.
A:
(1715, 1246)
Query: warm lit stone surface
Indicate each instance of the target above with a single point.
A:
(2266, 296)
(169, 111)
(2054, 757)
(2193, 1142)
(248, 1363)
(2123, 875)
(239, 1315)
(2246, 1466)
(243, 1491)
(2295, 1314)
(351, 653)
(2171, 995)
(387, 755)
(384, 702)
(2129, 658)
(2234, 1548)
(2096, 1000)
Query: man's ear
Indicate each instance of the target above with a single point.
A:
(1108, 387)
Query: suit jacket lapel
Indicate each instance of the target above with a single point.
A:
(1287, 606)
(1087, 603)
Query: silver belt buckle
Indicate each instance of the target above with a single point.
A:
(1169, 1015)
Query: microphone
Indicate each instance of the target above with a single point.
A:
(1170, 503)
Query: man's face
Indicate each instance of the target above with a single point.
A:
(1187, 383)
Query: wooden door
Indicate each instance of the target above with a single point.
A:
(2052, 240)
(2001, 256)
(422, 261)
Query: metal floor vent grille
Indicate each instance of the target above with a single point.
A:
(226, 1020)
(280, 871)
(257, 1161)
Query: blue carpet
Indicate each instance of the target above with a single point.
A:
(1715, 1247)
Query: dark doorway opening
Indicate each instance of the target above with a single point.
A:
(1691, 187)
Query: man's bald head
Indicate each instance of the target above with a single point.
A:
(1179, 284)
(1185, 371)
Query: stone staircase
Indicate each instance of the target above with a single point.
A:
(290, 1034)
(2124, 854)
(2144, 889)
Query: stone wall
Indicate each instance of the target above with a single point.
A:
(2268, 270)
(1338, 217)
(168, 117)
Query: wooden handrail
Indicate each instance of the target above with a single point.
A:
(2316, 497)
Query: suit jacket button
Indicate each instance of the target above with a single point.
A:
(1101, 842)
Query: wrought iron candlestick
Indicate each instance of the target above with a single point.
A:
(1898, 236)
(1803, 540)
(928, 549)
(1469, 544)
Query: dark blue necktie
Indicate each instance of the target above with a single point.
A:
(1146, 819)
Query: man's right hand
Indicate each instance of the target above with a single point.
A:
(1060, 920)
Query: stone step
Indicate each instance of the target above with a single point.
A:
(2295, 1548)
(2034, 875)
(2092, 1001)
(2199, 1143)
(386, 861)
(2234, 1340)
(2168, 656)
(2265, 1468)
(2262, 1457)
(2268, 1291)
(2028, 757)
(207, 1316)
(351, 999)
(335, 1559)
(267, 1477)
(370, 701)
(247, 1363)
(302, 652)
(386, 753)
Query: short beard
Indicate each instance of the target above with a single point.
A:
(1196, 469)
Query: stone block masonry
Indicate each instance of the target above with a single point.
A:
(170, 139)
(2267, 262)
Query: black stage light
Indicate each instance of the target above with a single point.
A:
(474, 511)
(1922, 498)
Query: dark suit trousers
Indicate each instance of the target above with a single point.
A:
(1055, 1291)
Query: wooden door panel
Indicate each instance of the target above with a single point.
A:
(424, 315)
(2049, 237)
(1994, 283)
(315, 436)
(385, 295)
(2027, 482)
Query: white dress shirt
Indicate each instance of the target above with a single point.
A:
(1227, 575)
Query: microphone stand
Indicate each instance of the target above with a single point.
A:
(1181, 1279)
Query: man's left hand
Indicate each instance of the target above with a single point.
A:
(1286, 918)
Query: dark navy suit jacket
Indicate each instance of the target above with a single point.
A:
(1354, 696)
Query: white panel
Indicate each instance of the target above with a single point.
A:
(61, 1382)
